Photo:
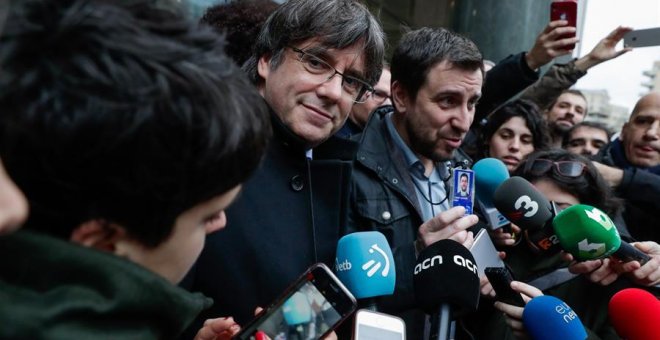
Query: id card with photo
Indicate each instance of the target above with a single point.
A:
(463, 189)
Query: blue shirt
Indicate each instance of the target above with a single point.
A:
(428, 189)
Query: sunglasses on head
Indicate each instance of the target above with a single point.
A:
(570, 169)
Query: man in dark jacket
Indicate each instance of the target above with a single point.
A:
(631, 164)
(401, 179)
(313, 60)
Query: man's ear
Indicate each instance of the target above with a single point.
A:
(622, 135)
(98, 234)
(399, 97)
(263, 65)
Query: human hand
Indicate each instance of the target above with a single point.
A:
(598, 271)
(605, 49)
(218, 329)
(502, 239)
(613, 176)
(513, 314)
(649, 273)
(450, 224)
(547, 45)
(13, 206)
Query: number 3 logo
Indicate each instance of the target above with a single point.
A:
(531, 207)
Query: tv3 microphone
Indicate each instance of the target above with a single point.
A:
(588, 234)
(489, 174)
(546, 317)
(365, 265)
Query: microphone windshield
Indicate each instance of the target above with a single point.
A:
(635, 314)
(489, 173)
(586, 232)
(446, 272)
(548, 318)
(365, 264)
(522, 204)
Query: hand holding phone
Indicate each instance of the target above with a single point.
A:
(312, 307)
(565, 10)
(370, 325)
(500, 279)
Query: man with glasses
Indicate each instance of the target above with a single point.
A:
(379, 97)
(313, 61)
(401, 179)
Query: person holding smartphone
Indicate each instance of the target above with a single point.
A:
(129, 139)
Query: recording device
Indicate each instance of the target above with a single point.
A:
(548, 318)
(500, 278)
(315, 304)
(565, 10)
(484, 252)
(489, 174)
(635, 314)
(370, 325)
(365, 265)
(445, 282)
(642, 38)
(588, 233)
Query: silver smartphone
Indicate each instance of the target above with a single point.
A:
(642, 38)
(371, 325)
(484, 252)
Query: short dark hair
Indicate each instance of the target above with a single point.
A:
(241, 22)
(133, 116)
(595, 125)
(336, 23)
(420, 50)
(571, 91)
(524, 109)
(463, 175)
(590, 188)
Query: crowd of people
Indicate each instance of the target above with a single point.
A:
(131, 135)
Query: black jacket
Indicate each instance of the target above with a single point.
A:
(286, 218)
(383, 198)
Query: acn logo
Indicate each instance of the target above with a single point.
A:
(372, 266)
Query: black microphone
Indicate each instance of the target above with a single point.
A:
(522, 204)
(446, 282)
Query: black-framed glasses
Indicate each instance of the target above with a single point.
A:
(569, 169)
(377, 95)
(354, 87)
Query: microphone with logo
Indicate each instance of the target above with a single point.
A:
(489, 173)
(446, 284)
(525, 206)
(635, 314)
(548, 318)
(365, 265)
(588, 234)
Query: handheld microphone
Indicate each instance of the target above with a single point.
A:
(635, 314)
(489, 173)
(525, 206)
(445, 281)
(548, 318)
(588, 234)
(365, 265)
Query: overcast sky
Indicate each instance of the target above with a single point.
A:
(621, 77)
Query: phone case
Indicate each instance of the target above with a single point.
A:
(484, 252)
(500, 279)
(381, 328)
(565, 10)
(642, 38)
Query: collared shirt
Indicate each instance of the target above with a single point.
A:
(429, 189)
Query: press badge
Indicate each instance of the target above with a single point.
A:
(462, 193)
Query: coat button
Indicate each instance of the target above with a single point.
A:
(386, 215)
(297, 183)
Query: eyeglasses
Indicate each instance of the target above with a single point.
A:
(377, 96)
(569, 169)
(353, 87)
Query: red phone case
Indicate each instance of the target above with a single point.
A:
(565, 10)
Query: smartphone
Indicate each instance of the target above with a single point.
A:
(500, 278)
(484, 252)
(370, 325)
(565, 10)
(642, 38)
(315, 304)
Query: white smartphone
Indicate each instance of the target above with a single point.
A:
(370, 325)
(642, 38)
(484, 252)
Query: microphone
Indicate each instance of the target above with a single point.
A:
(489, 173)
(546, 317)
(365, 265)
(635, 314)
(525, 206)
(588, 234)
(445, 281)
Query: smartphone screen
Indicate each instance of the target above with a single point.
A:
(310, 308)
(370, 325)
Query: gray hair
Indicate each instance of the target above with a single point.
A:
(336, 23)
